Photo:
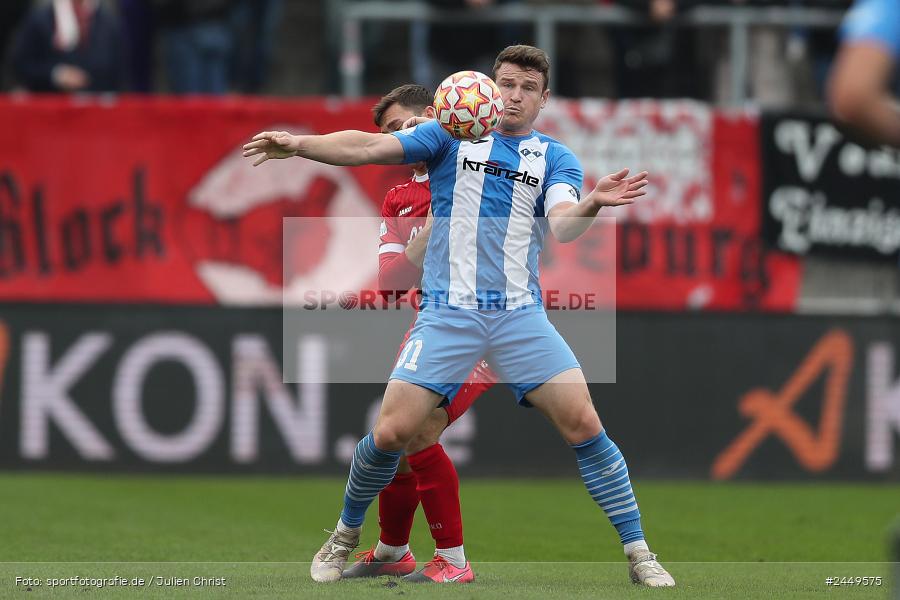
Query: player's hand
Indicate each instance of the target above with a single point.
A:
(413, 121)
(618, 189)
(272, 144)
(70, 78)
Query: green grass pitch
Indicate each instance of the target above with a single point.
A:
(527, 539)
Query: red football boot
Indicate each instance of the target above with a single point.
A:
(369, 566)
(438, 570)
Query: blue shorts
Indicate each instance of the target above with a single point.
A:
(521, 345)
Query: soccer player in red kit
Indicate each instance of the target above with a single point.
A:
(426, 474)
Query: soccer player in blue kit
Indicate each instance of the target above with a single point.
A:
(862, 89)
(480, 293)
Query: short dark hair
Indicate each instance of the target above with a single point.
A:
(527, 57)
(412, 96)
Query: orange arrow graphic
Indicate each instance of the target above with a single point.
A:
(772, 412)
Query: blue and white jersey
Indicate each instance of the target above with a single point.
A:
(874, 21)
(489, 197)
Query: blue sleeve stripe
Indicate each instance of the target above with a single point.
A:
(874, 21)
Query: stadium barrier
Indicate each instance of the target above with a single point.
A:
(738, 19)
(199, 389)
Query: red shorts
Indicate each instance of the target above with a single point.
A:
(481, 379)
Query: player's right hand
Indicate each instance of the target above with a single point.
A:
(271, 144)
(413, 121)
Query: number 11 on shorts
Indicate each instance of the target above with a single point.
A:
(411, 365)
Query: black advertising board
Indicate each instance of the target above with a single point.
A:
(824, 192)
(165, 389)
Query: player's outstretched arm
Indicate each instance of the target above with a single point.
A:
(343, 148)
(569, 220)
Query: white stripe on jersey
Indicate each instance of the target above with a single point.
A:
(464, 223)
(521, 221)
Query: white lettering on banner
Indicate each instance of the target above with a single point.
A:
(811, 145)
(883, 408)
(45, 396)
(345, 445)
(807, 219)
(302, 421)
(672, 140)
(196, 437)
(852, 160)
(456, 439)
(882, 162)
(793, 137)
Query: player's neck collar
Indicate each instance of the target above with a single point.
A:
(420, 178)
(530, 133)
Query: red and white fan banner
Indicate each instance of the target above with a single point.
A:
(149, 200)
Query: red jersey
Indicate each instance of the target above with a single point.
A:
(403, 217)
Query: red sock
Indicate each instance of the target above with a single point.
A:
(396, 508)
(438, 487)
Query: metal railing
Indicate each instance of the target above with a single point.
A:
(545, 19)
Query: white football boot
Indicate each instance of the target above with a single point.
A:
(646, 571)
(329, 562)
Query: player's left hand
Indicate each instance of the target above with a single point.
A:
(618, 189)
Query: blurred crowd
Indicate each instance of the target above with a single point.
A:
(787, 66)
(220, 46)
(663, 58)
(203, 46)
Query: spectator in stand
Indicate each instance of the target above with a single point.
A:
(11, 13)
(198, 40)
(860, 88)
(138, 26)
(448, 53)
(69, 46)
(254, 23)
(658, 60)
(785, 64)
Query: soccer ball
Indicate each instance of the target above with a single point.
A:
(468, 105)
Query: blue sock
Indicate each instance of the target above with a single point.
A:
(370, 472)
(605, 476)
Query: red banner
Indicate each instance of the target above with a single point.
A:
(694, 241)
(149, 200)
